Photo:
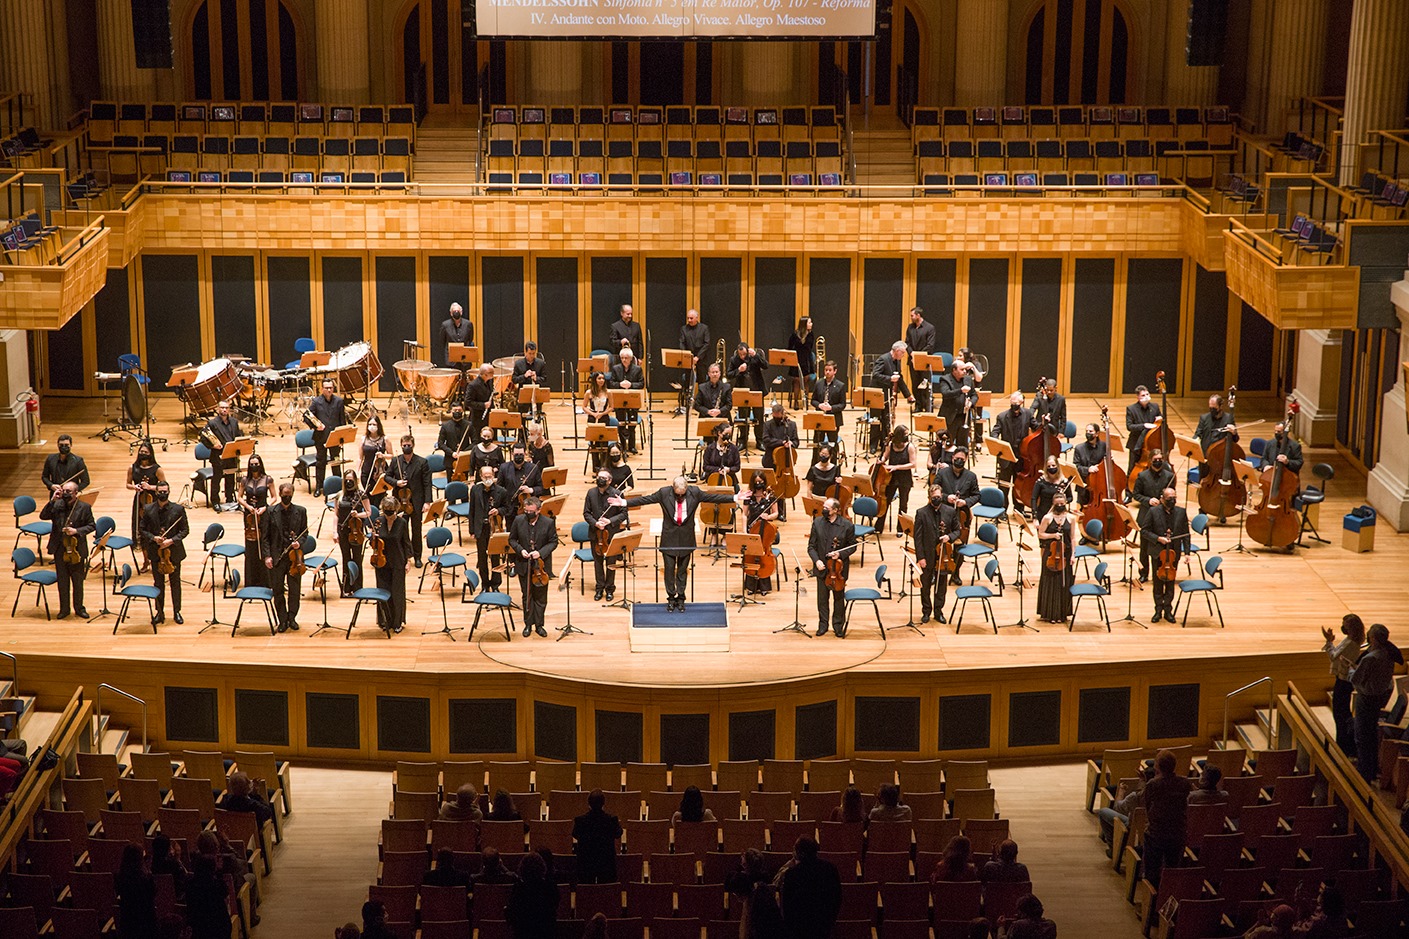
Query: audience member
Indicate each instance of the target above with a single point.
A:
(227, 860)
(347, 931)
(1274, 925)
(850, 809)
(532, 911)
(1326, 920)
(465, 808)
(1373, 680)
(761, 918)
(207, 901)
(888, 807)
(596, 832)
(1208, 791)
(241, 795)
(492, 869)
(957, 862)
(502, 808)
(1029, 923)
(596, 927)
(374, 921)
(172, 926)
(1126, 799)
(1344, 655)
(164, 862)
(1005, 868)
(811, 893)
(749, 874)
(137, 896)
(1166, 799)
(445, 873)
(692, 808)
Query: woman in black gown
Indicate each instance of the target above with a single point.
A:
(1054, 586)
(803, 341)
(253, 496)
(142, 478)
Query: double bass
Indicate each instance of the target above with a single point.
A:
(1160, 437)
(718, 515)
(1275, 523)
(1034, 450)
(1221, 492)
(1106, 481)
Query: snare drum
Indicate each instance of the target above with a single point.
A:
(409, 374)
(353, 367)
(441, 383)
(215, 381)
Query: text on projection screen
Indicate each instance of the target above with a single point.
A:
(675, 19)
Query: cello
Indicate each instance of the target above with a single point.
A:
(1222, 490)
(1105, 482)
(1275, 523)
(762, 566)
(1034, 450)
(785, 472)
(718, 516)
(1160, 437)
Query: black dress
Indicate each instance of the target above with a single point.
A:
(141, 474)
(1054, 587)
(255, 493)
(822, 479)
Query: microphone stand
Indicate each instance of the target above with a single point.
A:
(651, 446)
(568, 628)
(797, 626)
(1129, 580)
(905, 591)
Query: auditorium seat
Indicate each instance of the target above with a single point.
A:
(1071, 122)
(371, 120)
(283, 120)
(709, 123)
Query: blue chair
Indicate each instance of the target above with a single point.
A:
(246, 595)
(115, 542)
(23, 558)
(992, 506)
(871, 595)
(1095, 531)
(437, 539)
(301, 345)
(985, 543)
(496, 600)
(435, 464)
(581, 534)
(130, 363)
(457, 506)
(306, 460)
(200, 479)
(1100, 588)
(867, 507)
(1068, 434)
(332, 488)
(1213, 570)
(25, 505)
(1256, 448)
(1198, 525)
(130, 592)
(369, 595)
(980, 592)
(225, 552)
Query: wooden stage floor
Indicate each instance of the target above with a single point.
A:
(1274, 603)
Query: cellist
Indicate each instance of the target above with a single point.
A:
(761, 507)
(832, 535)
(1086, 455)
(936, 524)
(776, 432)
(1146, 495)
(1167, 526)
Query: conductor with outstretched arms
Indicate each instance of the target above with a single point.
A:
(678, 503)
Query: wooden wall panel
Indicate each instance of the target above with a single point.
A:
(1093, 307)
(988, 316)
(556, 299)
(775, 291)
(233, 303)
(936, 283)
(1040, 319)
(290, 305)
(395, 296)
(1210, 339)
(1152, 305)
(342, 300)
(171, 307)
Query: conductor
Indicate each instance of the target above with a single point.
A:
(678, 503)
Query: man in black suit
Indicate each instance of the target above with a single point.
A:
(487, 499)
(414, 473)
(886, 374)
(678, 503)
(1086, 456)
(1283, 449)
(1011, 427)
(164, 525)
(520, 476)
(479, 395)
(811, 893)
(328, 412)
(746, 372)
(1049, 410)
(1166, 526)
(596, 833)
(626, 375)
(532, 537)
(456, 329)
(600, 516)
(956, 395)
(829, 397)
(919, 337)
(457, 436)
(285, 524)
(694, 337)
(1139, 421)
(64, 466)
(714, 400)
(529, 370)
(69, 516)
(935, 524)
(777, 432)
(221, 429)
(625, 333)
(1145, 494)
(832, 533)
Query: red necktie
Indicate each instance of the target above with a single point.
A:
(680, 511)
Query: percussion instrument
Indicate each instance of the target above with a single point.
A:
(409, 374)
(352, 368)
(503, 372)
(440, 384)
(215, 381)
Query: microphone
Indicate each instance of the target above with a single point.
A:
(414, 345)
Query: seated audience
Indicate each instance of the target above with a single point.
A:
(492, 869)
(532, 911)
(1208, 792)
(347, 931)
(465, 808)
(207, 901)
(810, 892)
(502, 809)
(1126, 799)
(761, 917)
(888, 806)
(1029, 923)
(164, 862)
(692, 808)
(241, 796)
(445, 873)
(374, 921)
(1005, 868)
(850, 809)
(1274, 925)
(957, 862)
(137, 896)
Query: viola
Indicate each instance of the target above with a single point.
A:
(145, 496)
(251, 525)
(1105, 482)
(1168, 569)
(356, 533)
(1221, 492)
(836, 569)
(946, 560)
(538, 573)
(785, 472)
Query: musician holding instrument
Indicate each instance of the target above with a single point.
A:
(373, 447)
(164, 531)
(919, 337)
(479, 398)
(285, 526)
(678, 503)
(540, 451)
(72, 522)
(354, 518)
(395, 537)
(829, 397)
(328, 411)
(410, 476)
(1166, 529)
(1055, 533)
(1011, 427)
(253, 496)
(142, 478)
(627, 375)
(936, 525)
(64, 466)
(823, 473)
(1145, 494)
(596, 402)
(901, 457)
(714, 400)
(623, 478)
(831, 540)
(457, 328)
(532, 538)
(694, 337)
(746, 371)
(1047, 486)
(487, 452)
(956, 396)
(760, 505)
(487, 513)
(1139, 421)
(721, 457)
(1281, 448)
(1049, 410)
(803, 341)
(529, 369)
(1214, 425)
(605, 522)
(625, 333)
(521, 478)
(886, 374)
(1087, 455)
(454, 435)
(780, 433)
(960, 487)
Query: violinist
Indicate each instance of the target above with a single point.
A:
(486, 452)
(220, 430)
(623, 478)
(627, 376)
(886, 373)
(939, 456)
(142, 478)
(532, 538)
(329, 411)
(722, 456)
(454, 434)
(761, 506)
(777, 432)
(1086, 455)
(540, 451)
(1145, 494)
(1139, 420)
(902, 458)
(831, 538)
(1282, 449)
(354, 518)
(1011, 427)
(520, 478)
(823, 473)
(1166, 527)
(487, 513)
(936, 524)
(714, 400)
(391, 576)
(64, 466)
(70, 519)
(413, 472)
(1048, 485)
(373, 447)
(602, 517)
(1214, 424)
(479, 398)
(253, 496)
(960, 487)
(1054, 533)
(956, 396)
(164, 528)
(746, 371)
(829, 397)
(285, 525)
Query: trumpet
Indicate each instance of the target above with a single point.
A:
(821, 357)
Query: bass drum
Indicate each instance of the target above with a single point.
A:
(353, 368)
(216, 381)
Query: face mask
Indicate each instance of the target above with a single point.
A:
(457, 416)
(256, 469)
(1169, 503)
(518, 459)
(1059, 509)
(1015, 408)
(1157, 464)
(1051, 471)
(936, 500)
(286, 499)
(958, 464)
(61, 502)
(64, 448)
(1090, 438)
(163, 496)
(603, 483)
(616, 457)
(406, 448)
(1281, 434)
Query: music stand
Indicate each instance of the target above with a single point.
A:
(925, 365)
(741, 543)
(499, 547)
(621, 544)
(315, 359)
(812, 505)
(434, 512)
(461, 356)
(1024, 528)
(338, 438)
(1192, 452)
(906, 583)
(931, 424)
(782, 358)
(536, 397)
(746, 471)
(745, 398)
(552, 506)
(683, 360)
(501, 419)
(797, 625)
(180, 378)
(872, 400)
(599, 440)
(859, 484)
(1251, 480)
(99, 547)
(1002, 450)
(554, 476)
(1127, 561)
(819, 422)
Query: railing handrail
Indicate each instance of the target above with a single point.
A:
(32, 792)
(98, 714)
(1271, 706)
(14, 673)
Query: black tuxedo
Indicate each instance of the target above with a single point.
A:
(1150, 484)
(511, 477)
(751, 378)
(166, 521)
(483, 499)
(964, 485)
(1011, 426)
(696, 340)
(1051, 415)
(932, 524)
(417, 475)
(627, 418)
(454, 436)
(953, 399)
(834, 393)
(1212, 428)
(920, 338)
(881, 371)
(221, 467)
(1160, 522)
(1085, 456)
(595, 507)
(624, 335)
(677, 537)
(1136, 417)
(282, 525)
(450, 332)
(79, 516)
(58, 471)
(709, 397)
(775, 434)
(330, 414)
(477, 398)
(1287, 446)
(527, 535)
(827, 536)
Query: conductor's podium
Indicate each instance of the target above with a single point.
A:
(702, 627)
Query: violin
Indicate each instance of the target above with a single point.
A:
(785, 472)
(537, 570)
(836, 569)
(1054, 553)
(1221, 492)
(146, 496)
(1106, 481)
(71, 553)
(356, 533)
(946, 561)
(164, 563)
(1168, 568)
(378, 548)
(251, 525)
(1276, 523)
(294, 552)
(1160, 437)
